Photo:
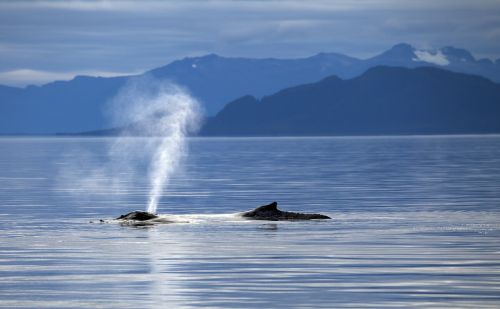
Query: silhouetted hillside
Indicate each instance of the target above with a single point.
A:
(384, 100)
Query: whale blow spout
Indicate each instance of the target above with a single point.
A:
(272, 213)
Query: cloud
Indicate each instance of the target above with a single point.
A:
(24, 77)
(130, 36)
(241, 5)
(169, 5)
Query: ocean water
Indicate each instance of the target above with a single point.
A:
(416, 224)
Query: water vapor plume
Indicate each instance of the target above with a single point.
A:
(165, 114)
(154, 119)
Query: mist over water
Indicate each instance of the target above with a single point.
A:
(155, 119)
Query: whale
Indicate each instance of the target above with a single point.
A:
(137, 216)
(141, 218)
(271, 212)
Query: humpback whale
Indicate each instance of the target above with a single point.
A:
(138, 216)
(268, 212)
(272, 213)
(141, 218)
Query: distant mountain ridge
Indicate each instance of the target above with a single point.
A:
(382, 101)
(77, 105)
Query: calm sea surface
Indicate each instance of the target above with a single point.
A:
(416, 224)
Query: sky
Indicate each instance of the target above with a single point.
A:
(42, 41)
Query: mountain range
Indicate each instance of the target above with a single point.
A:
(382, 101)
(77, 105)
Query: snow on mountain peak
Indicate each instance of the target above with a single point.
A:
(437, 58)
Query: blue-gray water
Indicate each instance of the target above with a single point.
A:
(416, 223)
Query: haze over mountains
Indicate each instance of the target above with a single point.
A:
(77, 105)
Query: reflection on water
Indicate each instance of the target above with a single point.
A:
(416, 224)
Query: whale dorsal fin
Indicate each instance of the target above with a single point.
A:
(271, 207)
